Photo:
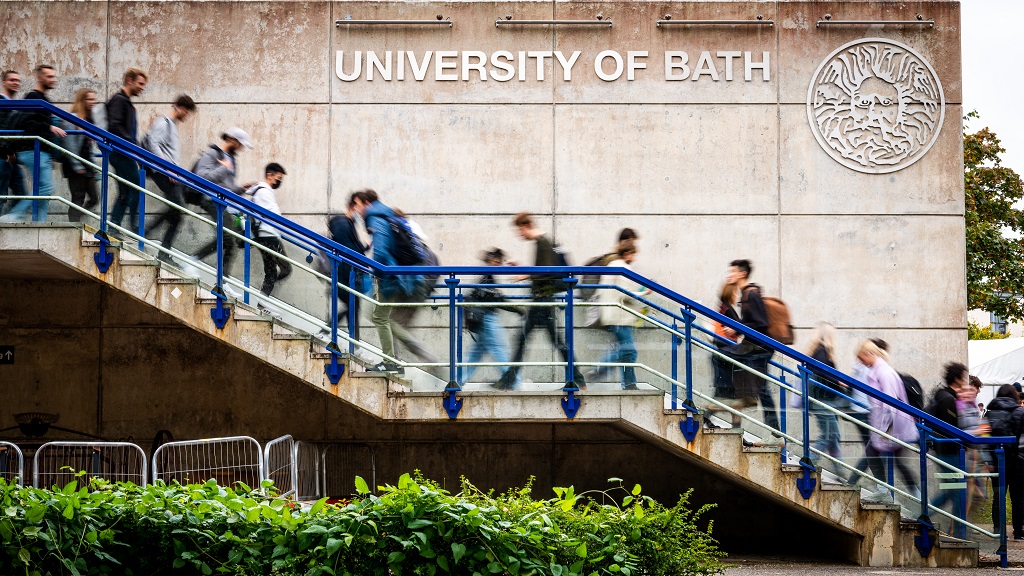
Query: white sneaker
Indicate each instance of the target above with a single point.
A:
(882, 495)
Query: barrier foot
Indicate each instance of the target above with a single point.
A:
(689, 427)
(806, 483)
(103, 257)
(451, 401)
(570, 402)
(220, 313)
(926, 541)
(334, 369)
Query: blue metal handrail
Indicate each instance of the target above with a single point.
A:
(682, 321)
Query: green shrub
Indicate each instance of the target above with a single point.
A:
(415, 527)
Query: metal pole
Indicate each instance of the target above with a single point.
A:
(805, 410)
(36, 153)
(246, 260)
(689, 316)
(458, 334)
(334, 297)
(142, 209)
(353, 318)
(675, 365)
(782, 402)
(1001, 498)
(453, 284)
(570, 364)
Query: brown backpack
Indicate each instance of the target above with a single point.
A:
(779, 325)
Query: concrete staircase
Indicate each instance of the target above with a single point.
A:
(884, 538)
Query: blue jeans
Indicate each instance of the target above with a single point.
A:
(490, 340)
(11, 178)
(956, 495)
(828, 432)
(624, 353)
(127, 197)
(22, 209)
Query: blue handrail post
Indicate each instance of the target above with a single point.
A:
(782, 408)
(246, 260)
(690, 426)
(36, 153)
(353, 318)
(103, 257)
(334, 370)
(806, 482)
(1001, 498)
(220, 313)
(459, 317)
(925, 542)
(961, 528)
(450, 399)
(570, 402)
(675, 364)
(142, 209)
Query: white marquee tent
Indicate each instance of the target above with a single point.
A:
(996, 362)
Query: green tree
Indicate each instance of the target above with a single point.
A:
(975, 332)
(995, 226)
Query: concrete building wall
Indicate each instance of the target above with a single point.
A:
(706, 170)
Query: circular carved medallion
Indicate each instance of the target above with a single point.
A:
(875, 105)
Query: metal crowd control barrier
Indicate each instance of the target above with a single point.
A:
(12, 463)
(280, 461)
(58, 463)
(227, 460)
(328, 470)
(680, 321)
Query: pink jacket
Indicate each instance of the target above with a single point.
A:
(887, 418)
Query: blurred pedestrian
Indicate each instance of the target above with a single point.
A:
(484, 323)
(11, 177)
(40, 124)
(81, 177)
(123, 123)
(275, 267)
(1006, 418)
(344, 231)
(885, 417)
(163, 141)
(753, 315)
(824, 388)
(616, 319)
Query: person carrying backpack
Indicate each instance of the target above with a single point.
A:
(1006, 418)
(754, 315)
(484, 323)
(387, 244)
(163, 141)
(543, 287)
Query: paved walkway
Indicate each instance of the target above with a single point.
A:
(767, 566)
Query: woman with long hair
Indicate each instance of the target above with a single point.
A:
(887, 418)
(81, 177)
(823, 389)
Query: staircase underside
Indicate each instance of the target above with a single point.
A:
(870, 534)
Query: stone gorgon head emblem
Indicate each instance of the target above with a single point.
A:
(875, 105)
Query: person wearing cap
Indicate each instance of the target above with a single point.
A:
(218, 165)
(275, 269)
(483, 323)
(123, 123)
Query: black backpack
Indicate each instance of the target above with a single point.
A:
(10, 120)
(588, 293)
(406, 247)
(915, 396)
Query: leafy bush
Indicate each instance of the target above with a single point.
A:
(412, 528)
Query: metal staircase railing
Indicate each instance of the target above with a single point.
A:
(683, 321)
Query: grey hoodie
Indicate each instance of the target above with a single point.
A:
(208, 167)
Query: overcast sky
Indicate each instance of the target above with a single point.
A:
(993, 44)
